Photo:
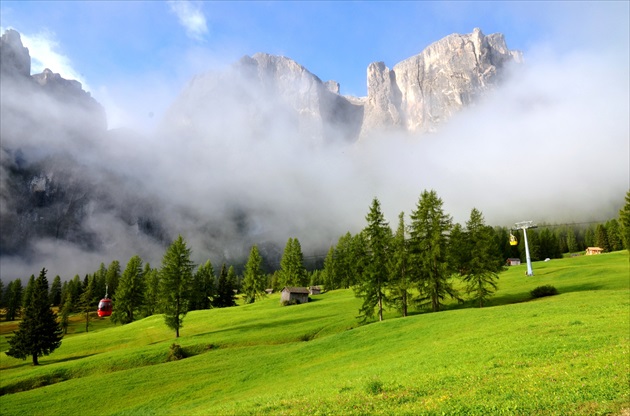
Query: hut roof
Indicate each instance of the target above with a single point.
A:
(295, 290)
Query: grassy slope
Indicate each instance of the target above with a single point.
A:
(567, 354)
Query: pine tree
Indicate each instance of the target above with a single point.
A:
(484, 261)
(112, 277)
(28, 291)
(254, 280)
(55, 291)
(601, 237)
(14, 299)
(225, 290)
(572, 244)
(292, 270)
(39, 333)
(624, 222)
(175, 283)
(68, 306)
(399, 278)
(129, 296)
(373, 281)
(428, 243)
(87, 300)
(151, 291)
(203, 287)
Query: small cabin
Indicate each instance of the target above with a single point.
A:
(513, 262)
(294, 294)
(315, 290)
(269, 291)
(594, 250)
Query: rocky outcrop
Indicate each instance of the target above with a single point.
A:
(14, 57)
(427, 89)
(266, 96)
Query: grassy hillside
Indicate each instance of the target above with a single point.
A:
(567, 354)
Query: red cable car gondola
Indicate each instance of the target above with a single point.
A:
(105, 306)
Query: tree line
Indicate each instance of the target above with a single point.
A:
(415, 265)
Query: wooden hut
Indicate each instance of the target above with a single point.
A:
(294, 295)
(513, 262)
(594, 250)
(315, 290)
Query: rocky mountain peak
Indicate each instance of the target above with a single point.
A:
(14, 57)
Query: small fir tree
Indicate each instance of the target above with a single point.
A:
(39, 333)
(254, 279)
(175, 283)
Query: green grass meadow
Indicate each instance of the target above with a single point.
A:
(562, 355)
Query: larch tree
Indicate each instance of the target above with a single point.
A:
(203, 287)
(151, 303)
(39, 333)
(399, 276)
(112, 277)
(428, 243)
(87, 300)
(484, 260)
(129, 295)
(55, 291)
(254, 279)
(13, 299)
(176, 276)
(624, 222)
(372, 283)
(292, 270)
(225, 289)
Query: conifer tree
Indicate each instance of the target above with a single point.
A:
(624, 222)
(28, 291)
(55, 291)
(428, 243)
(484, 260)
(14, 299)
(176, 276)
(112, 277)
(151, 303)
(225, 289)
(39, 333)
(129, 296)
(399, 276)
(373, 281)
(203, 287)
(87, 300)
(254, 279)
(292, 270)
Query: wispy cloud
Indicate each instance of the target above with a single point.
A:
(191, 17)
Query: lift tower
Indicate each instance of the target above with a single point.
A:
(524, 225)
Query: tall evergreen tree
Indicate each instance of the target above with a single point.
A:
(203, 287)
(112, 277)
(601, 237)
(66, 310)
(39, 333)
(484, 261)
(624, 222)
(87, 300)
(151, 303)
(175, 283)
(100, 283)
(613, 232)
(28, 291)
(429, 237)
(292, 270)
(55, 291)
(372, 283)
(14, 299)
(225, 289)
(399, 277)
(572, 243)
(254, 279)
(129, 295)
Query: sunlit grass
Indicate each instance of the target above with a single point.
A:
(566, 354)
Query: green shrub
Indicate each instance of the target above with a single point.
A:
(374, 386)
(542, 291)
(175, 353)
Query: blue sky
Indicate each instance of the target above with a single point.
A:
(135, 57)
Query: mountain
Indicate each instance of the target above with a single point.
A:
(416, 95)
(66, 180)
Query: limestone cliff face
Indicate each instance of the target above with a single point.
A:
(425, 90)
(266, 96)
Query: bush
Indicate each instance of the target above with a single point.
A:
(542, 291)
(175, 353)
(290, 302)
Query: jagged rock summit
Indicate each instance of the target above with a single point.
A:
(426, 89)
(416, 95)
